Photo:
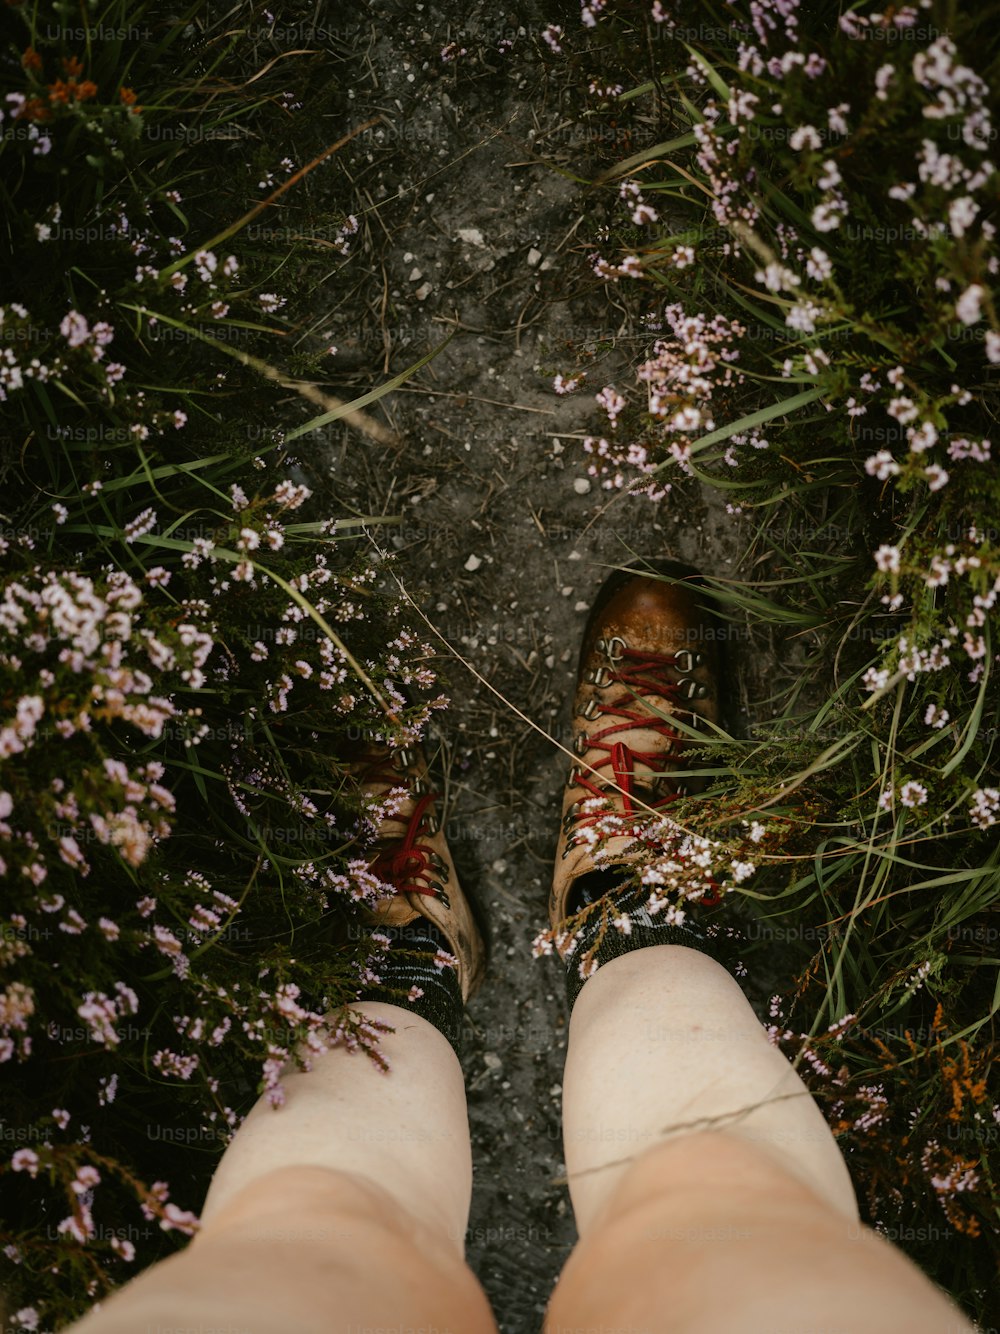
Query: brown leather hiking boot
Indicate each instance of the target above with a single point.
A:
(412, 855)
(649, 660)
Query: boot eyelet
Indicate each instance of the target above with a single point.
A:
(590, 710)
(599, 677)
(574, 842)
(686, 661)
(691, 689)
(439, 892)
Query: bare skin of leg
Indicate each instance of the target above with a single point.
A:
(346, 1209)
(708, 1191)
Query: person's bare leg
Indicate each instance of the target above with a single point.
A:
(345, 1209)
(708, 1190)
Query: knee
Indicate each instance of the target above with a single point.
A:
(323, 1206)
(705, 1170)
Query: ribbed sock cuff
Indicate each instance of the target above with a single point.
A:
(616, 943)
(646, 930)
(410, 978)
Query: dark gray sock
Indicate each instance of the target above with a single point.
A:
(409, 977)
(646, 929)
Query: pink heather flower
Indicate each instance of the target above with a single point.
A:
(611, 401)
(87, 1177)
(644, 213)
(826, 217)
(180, 1220)
(960, 448)
(289, 496)
(61, 1117)
(875, 678)
(984, 808)
(25, 1160)
(936, 476)
(206, 264)
(806, 136)
(903, 409)
(920, 438)
(76, 1228)
(551, 35)
(913, 794)
(143, 523)
(588, 967)
(74, 328)
(881, 465)
(968, 306)
(936, 717)
(887, 559)
(171, 1063)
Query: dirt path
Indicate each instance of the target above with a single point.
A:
(502, 546)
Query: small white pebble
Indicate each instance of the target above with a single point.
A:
(581, 485)
(533, 257)
(567, 592)
(582, 606)
(415, 275)
(422, 293)
(473, 563)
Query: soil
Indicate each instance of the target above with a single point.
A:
(473, 227)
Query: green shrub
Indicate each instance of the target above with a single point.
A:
(808, 240)
(191, 644)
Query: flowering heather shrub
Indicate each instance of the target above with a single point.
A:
(191, 648)
(810, 243)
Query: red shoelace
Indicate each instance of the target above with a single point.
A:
(410, 866)
(643, 673)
